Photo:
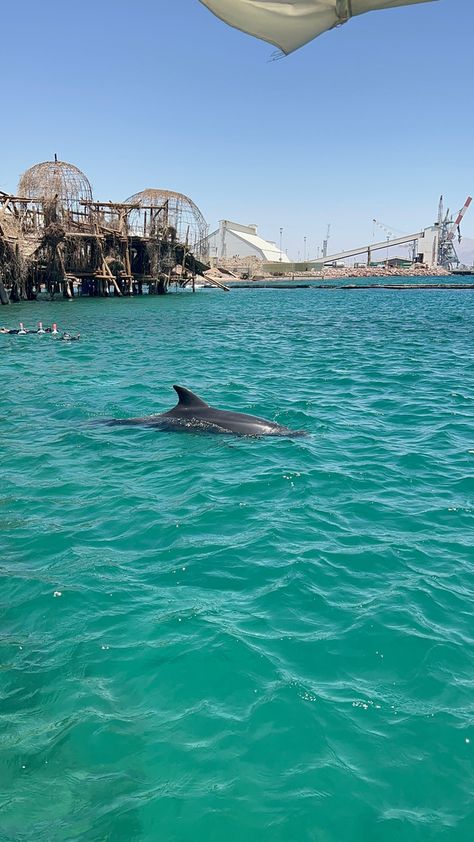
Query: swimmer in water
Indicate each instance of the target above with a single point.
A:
(68, 337)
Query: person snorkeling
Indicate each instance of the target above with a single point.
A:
(21, 330)
(69, 337)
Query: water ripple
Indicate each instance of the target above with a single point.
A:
(206, 637)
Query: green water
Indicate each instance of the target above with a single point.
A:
(255, 639)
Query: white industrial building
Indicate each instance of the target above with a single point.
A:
(232, 240)
(428, 246)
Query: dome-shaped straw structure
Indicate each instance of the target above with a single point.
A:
(61, 183)
(179, 213)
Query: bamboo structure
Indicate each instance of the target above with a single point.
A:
(59, 184)
(55, 237)
(183, 216)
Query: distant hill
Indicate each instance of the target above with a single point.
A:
(465, 251)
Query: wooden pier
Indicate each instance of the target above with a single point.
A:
(99, 255)
(56, 239)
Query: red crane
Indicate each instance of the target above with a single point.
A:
(457, 222)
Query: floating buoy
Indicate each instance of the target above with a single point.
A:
(22, 329)
(40, 328)
(55, 328)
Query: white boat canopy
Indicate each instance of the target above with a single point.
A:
(291, 23)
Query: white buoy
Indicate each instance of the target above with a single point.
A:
(40, 328)
(22, 329)
(55, 328)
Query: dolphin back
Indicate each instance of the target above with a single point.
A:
(188, 400)
(191, 413)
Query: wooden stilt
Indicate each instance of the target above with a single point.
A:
(14, 292)
(66, 289)
(162, 286)
(4, 299)
(109, 278)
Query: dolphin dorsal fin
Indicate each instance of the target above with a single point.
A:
(188, 399)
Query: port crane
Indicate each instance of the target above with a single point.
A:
(447, 232)
(436, 241)
(457, 222)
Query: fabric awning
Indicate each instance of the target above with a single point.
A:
(291, 23)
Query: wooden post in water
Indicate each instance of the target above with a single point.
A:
(162, 285)
(109, 277)
(64, 280)
(4, 299)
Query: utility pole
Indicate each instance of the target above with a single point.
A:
(325, 242)
(281, 235)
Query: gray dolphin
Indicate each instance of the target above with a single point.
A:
(192, 414)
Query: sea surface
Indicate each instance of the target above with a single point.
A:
(218, 639)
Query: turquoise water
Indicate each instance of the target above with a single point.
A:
(251, 639)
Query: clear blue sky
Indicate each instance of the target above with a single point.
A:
(374, 119)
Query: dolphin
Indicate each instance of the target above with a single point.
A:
(192, 414)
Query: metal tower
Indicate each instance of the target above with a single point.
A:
(447, 256)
